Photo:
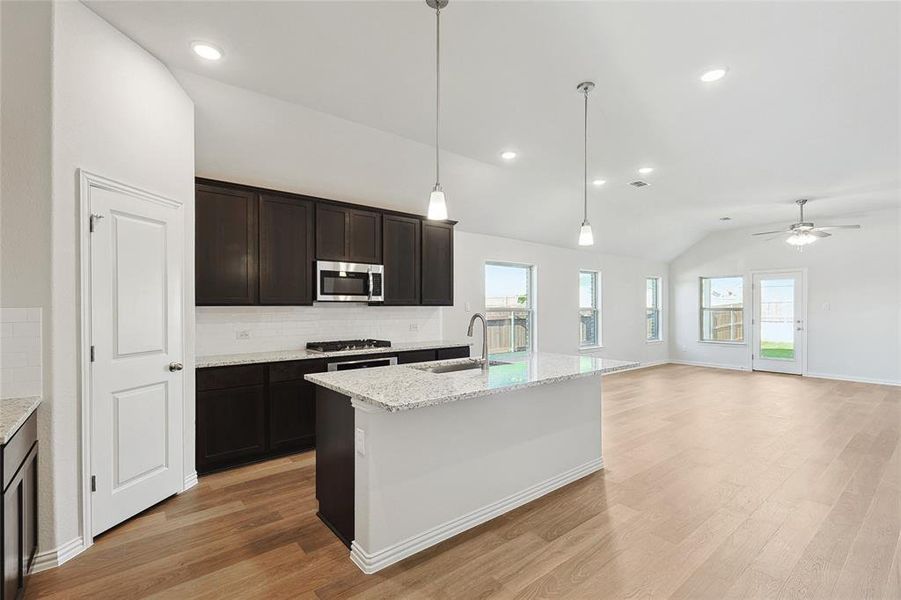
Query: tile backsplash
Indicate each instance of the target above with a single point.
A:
(235, 329)
(20, 352)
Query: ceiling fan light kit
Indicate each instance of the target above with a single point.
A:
(803, 233)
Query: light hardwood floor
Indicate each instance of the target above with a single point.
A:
(719, 484)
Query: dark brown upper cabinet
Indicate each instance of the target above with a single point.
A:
(437, 263)
(401, 243)
(348, 234)
(226, 246)
(286, 250)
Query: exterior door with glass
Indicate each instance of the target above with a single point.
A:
(780, 321)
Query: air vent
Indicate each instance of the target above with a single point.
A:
(638, 183)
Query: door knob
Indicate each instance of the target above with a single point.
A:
(176, 366)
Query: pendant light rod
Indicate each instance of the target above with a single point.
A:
(585, 87)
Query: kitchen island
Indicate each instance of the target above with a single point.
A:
(408, 456)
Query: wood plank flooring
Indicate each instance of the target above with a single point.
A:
(719, 484)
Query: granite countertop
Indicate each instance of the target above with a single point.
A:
(13, 414)
(405, 387)
(249, 358)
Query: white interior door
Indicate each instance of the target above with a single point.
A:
(137, 266)
(779, 322)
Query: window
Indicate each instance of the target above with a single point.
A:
(722, 311)
(589, 309)
(653, 303)
(509, 307)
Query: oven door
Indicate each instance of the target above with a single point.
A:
(344, 282)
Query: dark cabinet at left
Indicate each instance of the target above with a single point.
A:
(19, 519)
(226, 234)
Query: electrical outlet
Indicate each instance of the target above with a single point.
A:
(414, 326)
(242, 334)
(360, 441)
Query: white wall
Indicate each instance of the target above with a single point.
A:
(118, 112)
(853, 324)
(557, 280)
(291, 327)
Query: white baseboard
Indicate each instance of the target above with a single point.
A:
(854, 379)
(370, 563)
(692, 363)
(644, 365)
(49, 559)
(190, 481)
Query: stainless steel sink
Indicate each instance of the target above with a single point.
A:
(462, 366)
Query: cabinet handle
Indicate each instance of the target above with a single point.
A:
(176, 366)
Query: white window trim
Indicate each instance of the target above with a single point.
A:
(598, 302)
(661, 320)
(701, 339)
(533, 295)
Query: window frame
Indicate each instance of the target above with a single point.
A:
(531, 308)
(701, 310)
(658, 308)
(598, 305)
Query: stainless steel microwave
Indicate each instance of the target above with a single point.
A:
(349, 282)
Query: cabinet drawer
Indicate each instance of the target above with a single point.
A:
(16, 450)
(415, 356)
(217, 378)
(295, 370)
(458, 352)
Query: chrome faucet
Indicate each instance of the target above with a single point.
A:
(472, 322)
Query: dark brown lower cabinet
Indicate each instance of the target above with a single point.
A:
(247, 413)
(20, 503)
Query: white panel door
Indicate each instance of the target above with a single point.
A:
(137, 267)
(779, 322)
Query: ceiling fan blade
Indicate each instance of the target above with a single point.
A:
(837, 227)
(770, 232)
(819, 234)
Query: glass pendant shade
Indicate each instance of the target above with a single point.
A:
(437, 205)
(586, 238)
(802, 238)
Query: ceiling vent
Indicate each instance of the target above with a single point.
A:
(638, 183)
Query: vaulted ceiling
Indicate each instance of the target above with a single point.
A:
(809, 107)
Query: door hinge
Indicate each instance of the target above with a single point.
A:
(93, 219)
(92, 353)
(93, 483)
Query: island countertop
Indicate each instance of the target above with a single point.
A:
(250, 358)
(406, 387)
(13, 414)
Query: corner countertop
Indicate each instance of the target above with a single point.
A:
(405, 387)
(250, 358)
(13, 414)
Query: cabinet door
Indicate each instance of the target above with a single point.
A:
(292, 415)
(19, 526)
(231, 426)
(365, 236)
(30, 506)
(401, 245)
(286, 250)
(331, 232)
(437, 263)
(225, 246)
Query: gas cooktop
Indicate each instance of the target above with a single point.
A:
(339, 345)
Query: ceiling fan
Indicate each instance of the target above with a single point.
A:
(803, 233)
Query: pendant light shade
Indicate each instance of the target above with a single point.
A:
(586, 237)
(437, 201)
(437, 205)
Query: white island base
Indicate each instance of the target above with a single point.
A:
(422, 476)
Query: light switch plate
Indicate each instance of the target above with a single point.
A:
(360, 441)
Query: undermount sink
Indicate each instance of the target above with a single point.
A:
(462, 366)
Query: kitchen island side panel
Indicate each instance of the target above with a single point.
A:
(335, 462)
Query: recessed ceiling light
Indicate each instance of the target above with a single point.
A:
(713, 75)
(646, 170)
(508, 155)
(207, 51)
(599, 182)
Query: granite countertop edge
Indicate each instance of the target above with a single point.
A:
(251, 358)
(379, 405)
(13, 414)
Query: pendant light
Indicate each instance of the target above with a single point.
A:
(586, 238)
(437, 202)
